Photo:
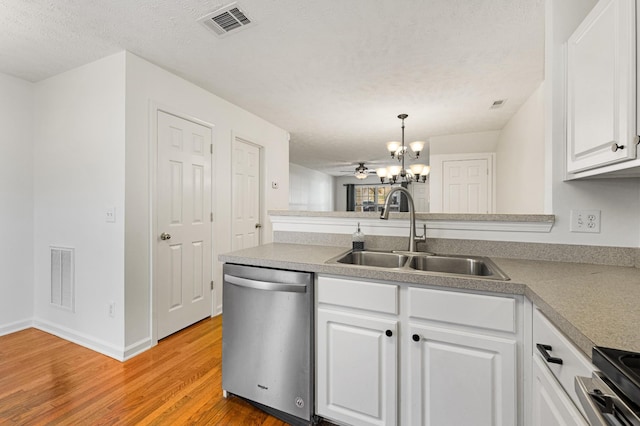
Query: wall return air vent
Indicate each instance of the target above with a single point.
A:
(62, 272)
(228, 19)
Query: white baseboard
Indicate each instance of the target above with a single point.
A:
(15, 326)
(137, 348)
(81, 339)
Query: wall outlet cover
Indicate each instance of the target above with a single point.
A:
(585, 221)
(110, 214)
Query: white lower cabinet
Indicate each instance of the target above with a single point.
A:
(554, 398)
(462, 378)
(356, 361)
(551, 405)
(390, 354)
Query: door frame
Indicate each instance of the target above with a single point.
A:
(261, 187)
(436, 177)
(154, 109)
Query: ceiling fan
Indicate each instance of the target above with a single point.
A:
(362, 171)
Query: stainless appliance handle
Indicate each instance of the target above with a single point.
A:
(265, 285)
(602, 405)
(591, 410)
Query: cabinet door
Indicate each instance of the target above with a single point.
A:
(461, 378)
(356, 368)
(602, 87)
(551, 404)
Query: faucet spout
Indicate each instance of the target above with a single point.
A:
(413, 238)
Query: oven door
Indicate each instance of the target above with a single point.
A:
(602, 405)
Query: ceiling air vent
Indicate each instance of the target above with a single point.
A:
(225, 20)
(498, 104)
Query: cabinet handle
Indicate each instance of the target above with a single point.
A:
(615, 147)
(389, 333)
(543, 350)
(416, 337)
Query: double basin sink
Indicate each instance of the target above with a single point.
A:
(478, 266)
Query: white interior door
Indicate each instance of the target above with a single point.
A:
(420, 192)
(246, 195)
(183, 261)
(466, 186)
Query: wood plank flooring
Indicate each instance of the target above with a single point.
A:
(45, 380)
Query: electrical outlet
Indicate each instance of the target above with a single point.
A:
(585, 221)
(110, 214)
(112, 309)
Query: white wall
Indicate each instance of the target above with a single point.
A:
(520, 160)
(618, 199)
(310, 189)
(464, 143)
(79, 146)
(16, 204)
(91, 150)
(149, 85)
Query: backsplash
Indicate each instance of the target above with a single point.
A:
(600, 255)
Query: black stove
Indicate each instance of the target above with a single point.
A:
(622, 368)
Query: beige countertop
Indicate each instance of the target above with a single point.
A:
(594, 305)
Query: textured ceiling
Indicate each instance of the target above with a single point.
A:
(335, 74)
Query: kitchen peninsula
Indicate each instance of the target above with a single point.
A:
(588, 293)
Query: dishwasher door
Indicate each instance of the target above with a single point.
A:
(267, 338)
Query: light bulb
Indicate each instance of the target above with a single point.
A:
(393, 146)
(416, 169)
(417, 146)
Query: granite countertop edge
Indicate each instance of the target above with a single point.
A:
(495, 217)
(560, 290)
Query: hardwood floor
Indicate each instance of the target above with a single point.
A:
(45, 380)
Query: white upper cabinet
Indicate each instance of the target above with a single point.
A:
(601, 88)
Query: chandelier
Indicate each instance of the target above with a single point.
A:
(398, 150)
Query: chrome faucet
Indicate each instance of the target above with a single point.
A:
(413, 238)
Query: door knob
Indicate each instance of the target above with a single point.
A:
(165, 236)
(615, 147)
(258, 226)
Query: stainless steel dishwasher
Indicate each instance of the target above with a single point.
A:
(267, 340)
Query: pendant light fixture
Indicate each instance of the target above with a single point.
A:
(398, 150)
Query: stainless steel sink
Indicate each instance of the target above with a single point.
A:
(477, 266)
(460, 265)
(378, 259)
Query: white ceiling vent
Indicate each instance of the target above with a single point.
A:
(498, 104)
(228, 19)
